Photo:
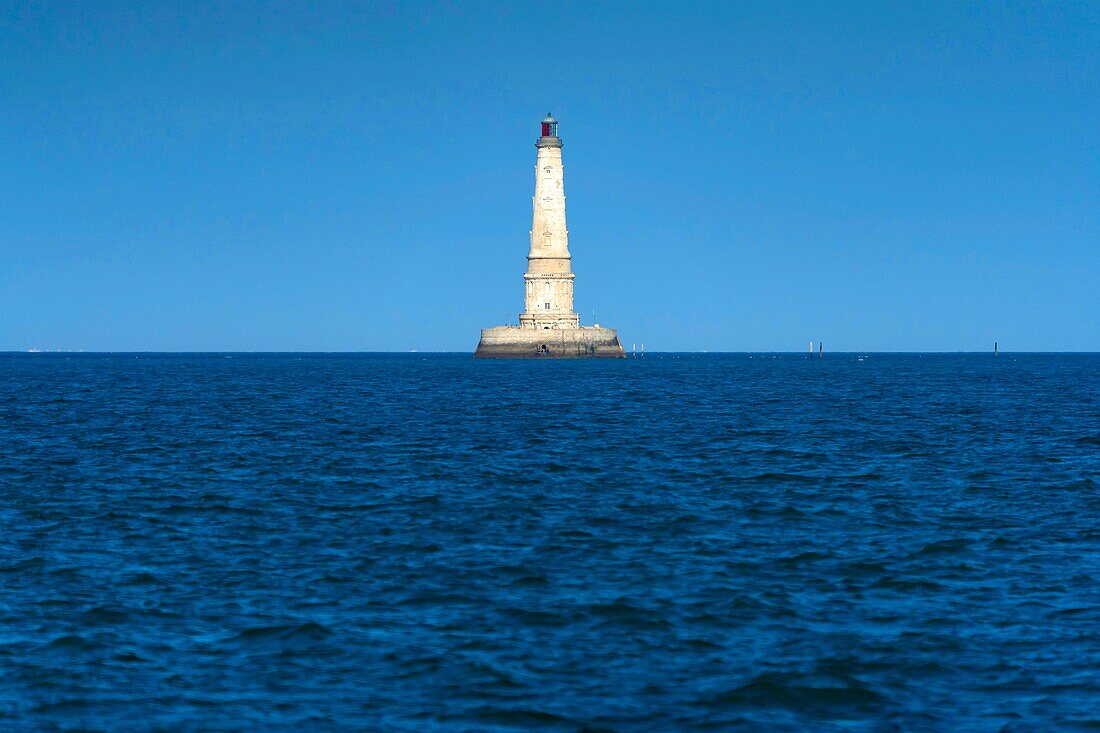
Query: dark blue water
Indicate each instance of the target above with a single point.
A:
(432, 543)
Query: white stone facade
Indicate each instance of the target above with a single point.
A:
(548, 282)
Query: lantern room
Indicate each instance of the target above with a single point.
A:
(549, 126)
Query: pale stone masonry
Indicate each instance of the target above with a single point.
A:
(548, 281)
(548, 326)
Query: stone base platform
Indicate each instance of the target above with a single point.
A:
(512, 342)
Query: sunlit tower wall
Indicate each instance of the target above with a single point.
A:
(548, 282)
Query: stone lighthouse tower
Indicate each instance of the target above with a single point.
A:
(548, 325)
(548, 282)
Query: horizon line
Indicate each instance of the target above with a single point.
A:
(6, 352)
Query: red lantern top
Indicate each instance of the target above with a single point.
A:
(549, 126)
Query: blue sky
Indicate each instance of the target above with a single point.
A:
(741, 176)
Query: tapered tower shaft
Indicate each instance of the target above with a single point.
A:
(548, 282)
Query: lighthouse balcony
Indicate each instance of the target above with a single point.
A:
(549, 320)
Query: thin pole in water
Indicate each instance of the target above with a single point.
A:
(994, 348)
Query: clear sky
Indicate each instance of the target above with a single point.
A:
(741, 176)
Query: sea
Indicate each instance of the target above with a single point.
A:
(425, 542)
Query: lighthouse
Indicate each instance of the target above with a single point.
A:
(548, 325)
(548, 282)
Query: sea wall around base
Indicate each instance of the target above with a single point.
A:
(511, 342)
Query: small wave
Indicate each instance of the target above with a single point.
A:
(200, 508)
(864, 477)
(1075, 612)
(105, 615)
(907, 584)
(800, 559)
(73, 643)
(63, 705)
(70, 571)
(532, 617)
(434, 598)
(624, 612)
(778, 690)
(863, 569)
(144, 578)
(31, 563)
(788, 511)
(309, 631)
(772, 477)
(426, 499)
(944, 547)
(1085, 484)
(522, 717)
(528, 581)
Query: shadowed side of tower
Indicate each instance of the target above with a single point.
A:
(548, 325)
